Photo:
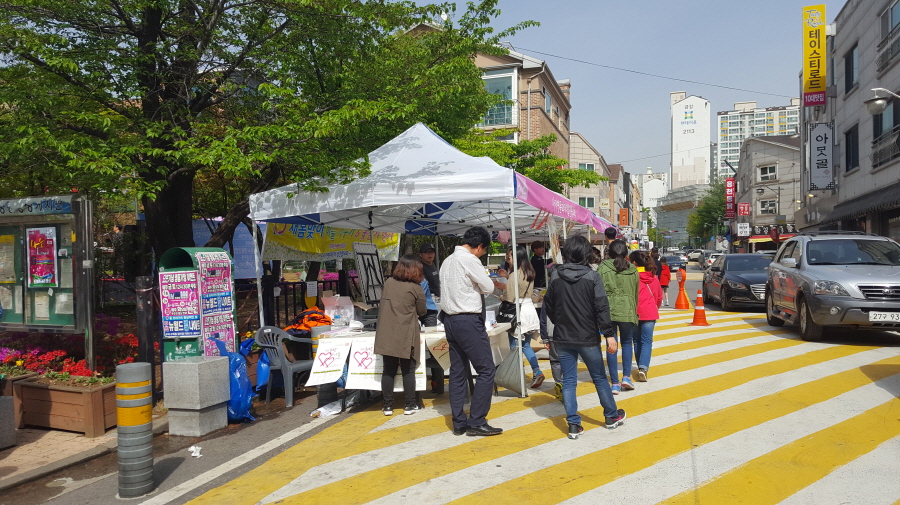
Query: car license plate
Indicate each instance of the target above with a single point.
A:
(893, 317)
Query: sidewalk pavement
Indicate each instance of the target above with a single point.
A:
(40, 452)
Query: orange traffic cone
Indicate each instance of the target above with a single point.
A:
(682, 302)
(699, 312)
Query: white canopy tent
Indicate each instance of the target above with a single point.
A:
(420, 184)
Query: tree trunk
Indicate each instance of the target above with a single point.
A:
(169, 222)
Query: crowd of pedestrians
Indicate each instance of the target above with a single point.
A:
(591, 302)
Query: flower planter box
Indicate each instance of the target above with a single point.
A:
(88, 410)
(6, 385)
(252, 360)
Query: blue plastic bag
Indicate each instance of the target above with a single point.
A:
(241, 390)
(262, 374)
(247, 347)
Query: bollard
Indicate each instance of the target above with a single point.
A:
(134, 406)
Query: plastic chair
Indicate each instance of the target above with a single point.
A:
(270, 338)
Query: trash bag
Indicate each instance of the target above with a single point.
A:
(241, 390)
(262, 374)
(247, 347)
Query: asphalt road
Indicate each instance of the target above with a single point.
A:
(737, 412)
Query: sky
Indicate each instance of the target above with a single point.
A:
(754, 45)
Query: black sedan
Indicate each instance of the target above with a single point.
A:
(736, 279)
(675, 262)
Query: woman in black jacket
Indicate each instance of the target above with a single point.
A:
(576, 303)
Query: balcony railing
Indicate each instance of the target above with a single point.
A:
(890, 51)
(885, 148)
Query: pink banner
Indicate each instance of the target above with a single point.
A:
(542, 198)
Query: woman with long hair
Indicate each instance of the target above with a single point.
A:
(621, 281)
(576, 303)
(650, 298)
(397, 331)
(528, 317)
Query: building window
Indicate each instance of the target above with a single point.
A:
(586, 201)
(885, 128)
(548, 102)
(501, 113)
(890, 19)
(767, 206)
(767, 173)
(851, 69)
(586, 166)
(851, 148)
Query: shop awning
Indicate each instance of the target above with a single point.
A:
(881, 199)
(765, 238)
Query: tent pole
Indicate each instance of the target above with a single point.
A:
(256, 260)
(514, 278)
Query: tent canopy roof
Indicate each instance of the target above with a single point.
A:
(420, 184)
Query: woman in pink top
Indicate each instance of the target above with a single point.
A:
(650, 298)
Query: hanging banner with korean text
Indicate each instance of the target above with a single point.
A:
(730, 187)
(821, 147)
(743, 229)
(42, 268)
(814, 51)
(308, 242)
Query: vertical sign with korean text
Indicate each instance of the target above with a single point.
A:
(814, 66)
(180, 301)
(217, 301)
(821, 146)
(729, 197)
(744, 209)
(42, 268)
(623, 217)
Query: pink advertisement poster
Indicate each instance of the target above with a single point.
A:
(217, 310)
(180, 300)
(42, 267)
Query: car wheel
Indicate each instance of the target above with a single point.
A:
(706, 298)
(809, 330)
(723, 301)
(771, 318)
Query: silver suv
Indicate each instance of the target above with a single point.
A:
(835, 279)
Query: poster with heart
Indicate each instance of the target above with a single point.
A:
(440, 349)
(365, 367)
(329, 362)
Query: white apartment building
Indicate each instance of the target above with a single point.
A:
(690, 117)
(747, 120)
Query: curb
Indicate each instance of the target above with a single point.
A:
(160, 426)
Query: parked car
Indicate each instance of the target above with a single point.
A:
(835, 280)
(709, 259)
(675, 262)
(736, 279)
(695, 255)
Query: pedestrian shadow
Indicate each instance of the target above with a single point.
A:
(878, 372)
(164, 468)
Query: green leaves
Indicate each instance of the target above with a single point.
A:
(703, 221)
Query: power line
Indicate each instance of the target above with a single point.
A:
(654, 75)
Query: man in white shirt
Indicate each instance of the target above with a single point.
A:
(464, 283)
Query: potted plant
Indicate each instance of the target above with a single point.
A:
(61, 400)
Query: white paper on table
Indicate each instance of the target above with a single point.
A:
(329, 362)
(440, 349)
(42, 306)
(366, 367)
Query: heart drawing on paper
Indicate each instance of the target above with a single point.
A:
(326, 358)
(443, 347)
(363, 359)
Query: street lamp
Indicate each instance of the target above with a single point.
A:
(877, 104)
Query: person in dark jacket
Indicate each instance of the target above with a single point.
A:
(539, 263)
(576, 304)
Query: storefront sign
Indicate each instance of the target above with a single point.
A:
(180, 301)
(821, 143)
(730, 197)
(814, 67)
(36, 206)
(743, 229)
(42, 267)
(744, 209)
(217, 301)
(623, 217)
(604, 204)
(766, 229)
(319, 243)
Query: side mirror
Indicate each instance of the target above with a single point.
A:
(789, 262)
(715, 269)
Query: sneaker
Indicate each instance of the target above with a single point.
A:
(615, 422)
(387, 410)
(575, 430)
(410, 410)
(557, 391)
(641, 375)
(627, 385)
(616, 388)
(537, 381)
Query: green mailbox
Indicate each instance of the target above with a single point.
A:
(197, 302)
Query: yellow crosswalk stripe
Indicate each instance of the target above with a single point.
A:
(784, 471)
(576, 476)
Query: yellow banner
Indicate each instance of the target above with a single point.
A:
(322, 243)
(814, 51)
